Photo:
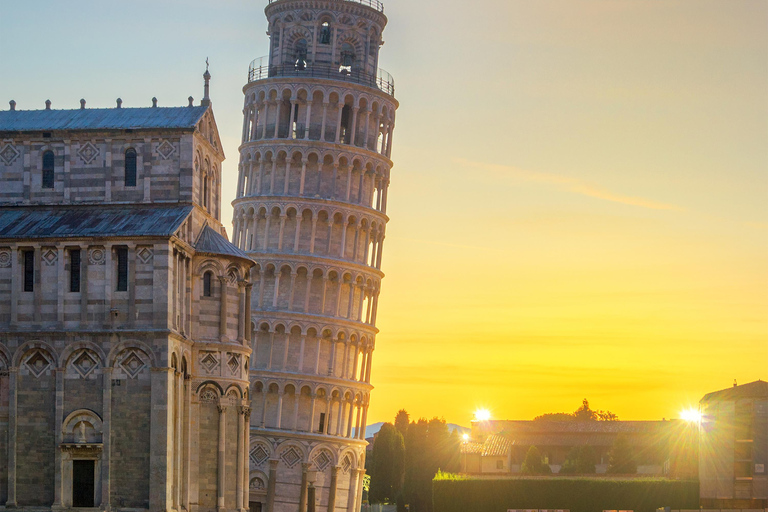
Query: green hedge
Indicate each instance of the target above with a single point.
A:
(575, 494)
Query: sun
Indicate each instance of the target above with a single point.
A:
(482, 415)
(690, 415)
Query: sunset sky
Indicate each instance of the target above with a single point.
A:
(579, 202)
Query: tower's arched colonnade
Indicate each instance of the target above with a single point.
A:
(311, 210)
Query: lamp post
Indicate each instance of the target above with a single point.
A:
(311, 476)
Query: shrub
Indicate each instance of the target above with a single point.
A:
(575, 494)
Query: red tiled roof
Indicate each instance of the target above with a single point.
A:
(496, 446)
(472, 448)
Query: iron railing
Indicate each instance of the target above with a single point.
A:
(260, 70)
(373, 4)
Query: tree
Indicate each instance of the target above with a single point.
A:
(388, 465)
(429, 446)
(554, 416)
(583, 413)
(622, 458)
(533, 465)
(401, 421)
(580, 460)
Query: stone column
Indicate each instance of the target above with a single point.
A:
(241, 462)
(296, 395)
(265, 245)
(272, 175)
(241, 318)
(303, 495)
(283, 217)
(359, 496)
(223, 309)
(287, 175)
(246, 456)
(352, 494)
(332, 490)
(297, 235)
(325, 116)
(338, 124)
(353, 138)
(248, 333)
(13, 375)
(280, 409)
(264, 125)
(271, 485)
(365, 420)
(277, 118)
(221, 463)
(309, 117)
(106, 436)
(59, 419)
(160, 465)
(188, 436)
(312, 413)
(348, 433)
(357, 419)
(340, 419)
(303, 175)
(293, 289)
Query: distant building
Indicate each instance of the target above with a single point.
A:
(500, 446)
(734, 447)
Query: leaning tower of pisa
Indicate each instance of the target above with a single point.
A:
(311, 210)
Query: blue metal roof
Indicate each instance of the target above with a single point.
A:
(100, 119)
(212, 242)
(91, 221)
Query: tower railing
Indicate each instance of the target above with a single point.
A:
(373, 4)
(261, 70)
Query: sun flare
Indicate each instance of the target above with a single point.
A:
(482, 415)
(691, 415)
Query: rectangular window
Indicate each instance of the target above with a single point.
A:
(322, 423)
(74, 270)
(499, 464)
(29, 270)
(122, 269)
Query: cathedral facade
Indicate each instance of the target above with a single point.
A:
(124, 357)
(311, 211)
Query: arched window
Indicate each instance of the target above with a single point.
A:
(207, 279)
(205, 191)
(130, 167)
(48, 169)
(347, 56)
(300, 61)
(325, 33)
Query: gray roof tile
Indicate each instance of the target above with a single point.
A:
(91, 221)
(212, 242)
(100, 119)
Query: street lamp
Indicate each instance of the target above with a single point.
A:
(311, 477)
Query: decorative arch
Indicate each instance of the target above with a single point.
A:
(21, 352)
(82, 426)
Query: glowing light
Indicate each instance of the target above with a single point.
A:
(482, 415)
(690, 415)
(465, 437)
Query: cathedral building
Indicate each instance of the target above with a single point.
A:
(124, 352)
(311, 210)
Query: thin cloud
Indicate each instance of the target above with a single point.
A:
(574, 185)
